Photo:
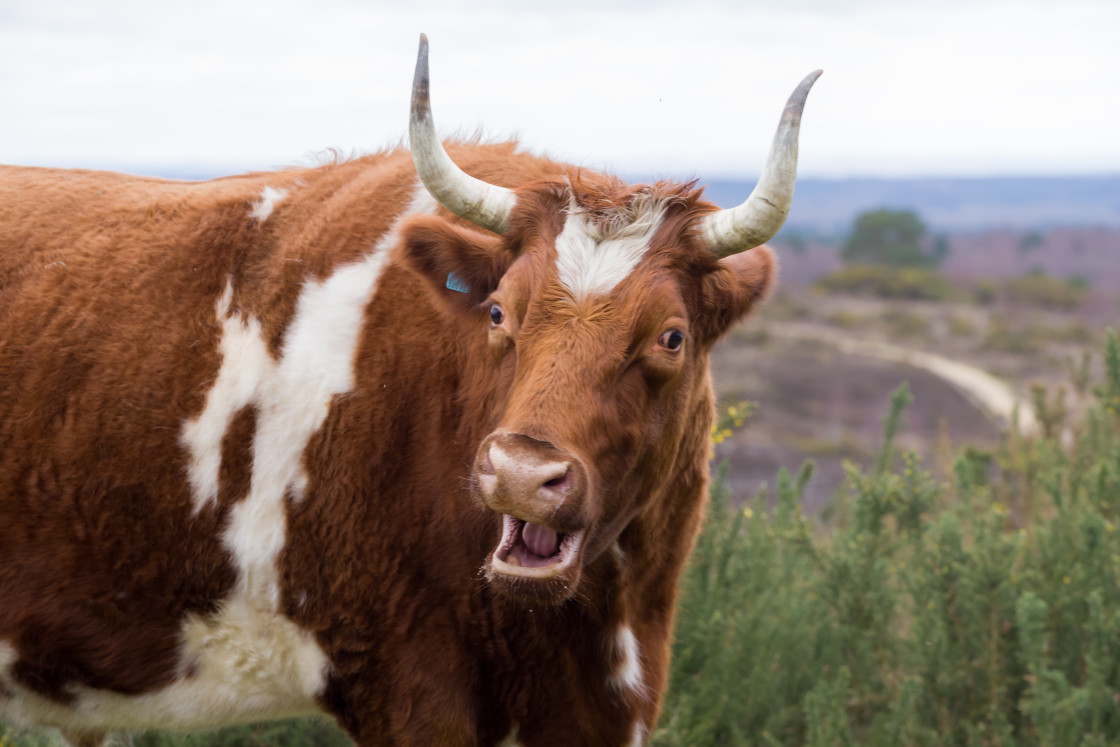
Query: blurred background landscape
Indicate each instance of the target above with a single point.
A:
(1019, 277)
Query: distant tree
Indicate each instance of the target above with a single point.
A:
(1029, 242)
(889, 237)
(940, 249)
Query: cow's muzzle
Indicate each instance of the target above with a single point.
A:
(540, 491)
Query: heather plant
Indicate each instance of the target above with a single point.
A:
(883, 281)
(982, 610)
(1039, 289)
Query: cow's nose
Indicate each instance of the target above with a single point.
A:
(524, 477)
(525, 473)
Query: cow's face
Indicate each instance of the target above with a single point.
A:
(598, 311)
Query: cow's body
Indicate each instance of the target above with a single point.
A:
(256, 460)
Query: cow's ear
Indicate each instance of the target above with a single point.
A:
(738, 283)
(463, 265)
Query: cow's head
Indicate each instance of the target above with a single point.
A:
(599, 303)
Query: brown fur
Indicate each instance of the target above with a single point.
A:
(109, 343)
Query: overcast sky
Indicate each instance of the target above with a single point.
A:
(945, 87)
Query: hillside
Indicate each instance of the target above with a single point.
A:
(828, 206)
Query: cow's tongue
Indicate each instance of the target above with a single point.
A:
(540, 540)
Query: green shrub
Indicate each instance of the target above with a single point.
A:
(1075, 332)
(961, 326)
(982, 611)
(906, 324)
(846, 319)
(908, 283)
(985, 292)
(1004, 338)
(303, 732)
(1039, 289)
(782, 307)
(1027, 337)
(755, 335)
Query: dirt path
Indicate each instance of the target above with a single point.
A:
(986, 392)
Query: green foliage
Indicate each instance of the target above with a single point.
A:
(712, 700)
(903, 324)
(983, 611)
(1004, 338)
(1109, 393)
(303, 732)
(900, 400)
(985, 291)
(1025, 336)
(845, 318)
(908, 283)
(890, 237)
(14, 738)
(960, 326)
(1039, 289)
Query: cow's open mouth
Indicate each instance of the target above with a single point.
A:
(534, 551)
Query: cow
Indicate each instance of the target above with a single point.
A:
(418, 440)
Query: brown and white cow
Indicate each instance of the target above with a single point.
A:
(425, 454)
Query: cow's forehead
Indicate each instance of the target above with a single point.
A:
(597, 251)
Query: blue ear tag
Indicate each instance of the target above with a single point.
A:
(455, 284)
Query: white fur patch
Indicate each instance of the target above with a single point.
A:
(246, 363)
(292, 400)
(619, 555)
(511, 739)
(639, 736)
(263, 207)
(8, 657)
(292, 396)
(592, 259)
(628, 673)
(246, 662)
(241, 665)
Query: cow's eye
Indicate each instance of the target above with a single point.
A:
(671, 339)
(497, 316)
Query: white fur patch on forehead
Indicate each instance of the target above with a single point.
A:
(594, 256)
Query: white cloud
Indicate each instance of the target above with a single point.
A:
(651, 88)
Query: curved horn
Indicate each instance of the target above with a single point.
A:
(483, 204)
(737, 229)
